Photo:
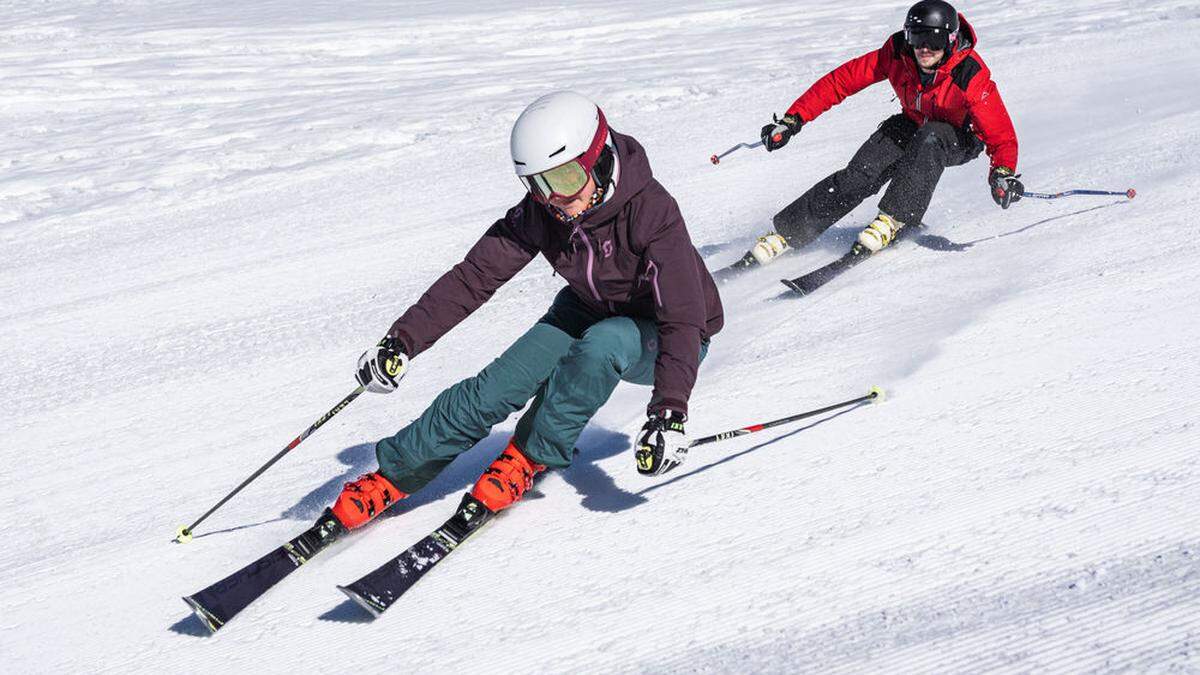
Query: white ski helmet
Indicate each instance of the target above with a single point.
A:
(556, 143)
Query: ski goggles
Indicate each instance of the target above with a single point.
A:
(564, 181)
(936, 39)
(567, 180)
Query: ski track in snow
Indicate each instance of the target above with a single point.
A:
(208, 211)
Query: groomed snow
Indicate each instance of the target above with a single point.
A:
(208, 210)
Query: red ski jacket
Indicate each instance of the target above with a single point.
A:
(962, 92)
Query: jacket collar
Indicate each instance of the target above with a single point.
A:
(631, 176)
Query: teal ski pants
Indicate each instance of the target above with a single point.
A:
(569, 363)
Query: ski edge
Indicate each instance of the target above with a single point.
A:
(795, 287)
(363, 602)
(210, 621)
(448, 537)
(802, 285)
(301, 549)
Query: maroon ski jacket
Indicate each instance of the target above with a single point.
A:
(632, 256)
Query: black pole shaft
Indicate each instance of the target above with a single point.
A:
(296, 441)
(726, 435)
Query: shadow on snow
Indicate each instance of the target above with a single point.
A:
(938, 243)
(730, 458)
(190, 625)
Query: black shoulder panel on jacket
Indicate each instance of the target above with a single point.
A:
(965, 71)
(898, 44)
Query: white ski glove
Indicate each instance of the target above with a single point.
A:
(663, 444)
(381, 367)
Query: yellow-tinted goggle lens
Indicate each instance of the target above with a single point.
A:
(566, 179)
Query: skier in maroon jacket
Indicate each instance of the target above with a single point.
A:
(639, 306)
(952, 112)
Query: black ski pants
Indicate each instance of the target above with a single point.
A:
(911, 157)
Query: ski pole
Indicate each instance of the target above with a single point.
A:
(876, 394)
(184, 534)
(1130, 194)
(716, 159)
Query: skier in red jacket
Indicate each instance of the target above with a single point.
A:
(952, 112)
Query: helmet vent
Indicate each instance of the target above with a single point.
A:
(556, 128)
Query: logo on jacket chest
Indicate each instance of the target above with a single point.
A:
(606, 248)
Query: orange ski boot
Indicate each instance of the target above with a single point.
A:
(364, 499)
(506, 480)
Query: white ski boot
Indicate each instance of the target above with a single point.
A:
(769, 247)
(881, 232)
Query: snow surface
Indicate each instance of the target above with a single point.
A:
(208, 210)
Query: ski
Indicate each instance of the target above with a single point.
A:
(807, 283)
(222, 601)
(380, 589)
(745, 264)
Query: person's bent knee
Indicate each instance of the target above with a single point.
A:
(507, 383)
(501, 387)
(858, 178)
(940, 134)
(614, 342)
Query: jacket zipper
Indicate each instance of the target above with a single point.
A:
(921, 93)
(591, 262)
(652, 275)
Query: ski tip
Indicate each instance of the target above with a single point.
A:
(877, 394)
(183, 535)
(210, 622)
(360, 600)
(791, 284)
(1131, 193)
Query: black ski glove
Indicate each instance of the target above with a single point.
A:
(1005, 187)
(776, 134)
(381, 367)
(663, 444)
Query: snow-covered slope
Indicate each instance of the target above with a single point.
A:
(207, 211)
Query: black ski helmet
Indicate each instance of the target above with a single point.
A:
(932, 14)
(932, 21)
